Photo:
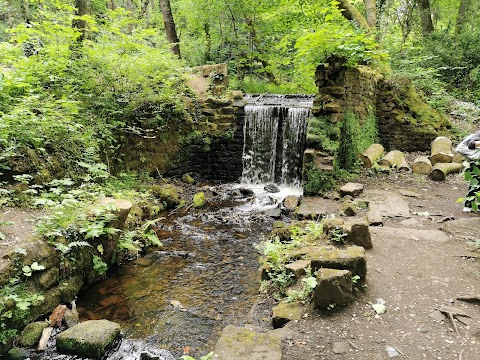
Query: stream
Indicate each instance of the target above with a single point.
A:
(183, 294)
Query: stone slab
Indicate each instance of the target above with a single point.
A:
(351, 258)
(352, 189)
(463, 228)
(238, 343)
(388, 204)
(315, 208)
(379, 233)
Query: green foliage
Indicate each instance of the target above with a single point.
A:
(472, 175)
(337, 235)
(75, 101)
(355, 138)
(309, 283)
(317, 181)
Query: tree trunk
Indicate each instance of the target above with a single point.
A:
(462, 13)
(395, 159)
(426, 16)
(422, 165)
(441, 170)
(441, 150)
(111, 5)
(351, 13)
(83, 8)
(371, 11)
(170, 30)
(372, 154)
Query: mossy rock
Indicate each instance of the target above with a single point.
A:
(18, 354)
(91, 338)
(167, 193)
(199, 200)
(188, 179)
(32, 333)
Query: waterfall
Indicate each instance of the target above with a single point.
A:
(274, 140)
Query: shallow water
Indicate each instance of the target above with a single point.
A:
(203, 278)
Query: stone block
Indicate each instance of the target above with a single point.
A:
(285, 312)
(332, 107)
(352, 189)
(358, 233)
(90, 338)
(298, 268)
(333, 287)
(351, 258)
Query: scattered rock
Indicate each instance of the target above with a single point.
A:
(341, 347)
(392, 352)
(32, 333)
(91, 338)
(374, 218)
(286, 312)
(290, 203)
(334, 287)
(352, 189)
(271, 188)
(238, 343)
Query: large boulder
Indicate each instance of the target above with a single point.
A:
(91, 338)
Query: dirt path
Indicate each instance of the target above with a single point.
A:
(416, 268)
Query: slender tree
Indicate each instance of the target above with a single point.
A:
(371, 11)
(426, 16)
(170, 30)
(461, 15)
(82, 8)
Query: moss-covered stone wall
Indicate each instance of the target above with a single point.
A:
(405, 122)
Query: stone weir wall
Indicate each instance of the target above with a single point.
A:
(214, 148)
(405, 122)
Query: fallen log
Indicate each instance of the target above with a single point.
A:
(441, 150)
(441, 170)
(422, 165)
(372, 154)
(395, 159)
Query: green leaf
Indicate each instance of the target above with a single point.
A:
(36, 267)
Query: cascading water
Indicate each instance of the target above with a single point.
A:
(274, 139)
